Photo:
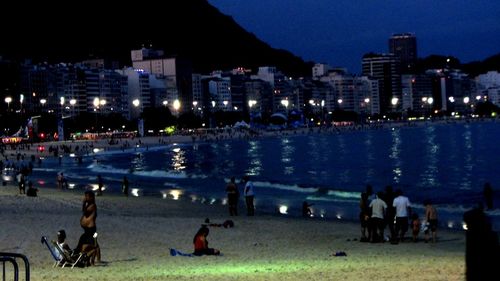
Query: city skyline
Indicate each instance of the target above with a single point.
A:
(324, 31)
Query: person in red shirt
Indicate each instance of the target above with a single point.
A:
(201, 244)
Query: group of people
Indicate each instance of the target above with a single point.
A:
(233, 196)
(393, 209)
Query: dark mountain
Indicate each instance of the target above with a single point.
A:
(472, 68)
(479, 67)
(70, 31)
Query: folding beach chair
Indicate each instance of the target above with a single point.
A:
(55, 254)
(67, 258)
(61, 256)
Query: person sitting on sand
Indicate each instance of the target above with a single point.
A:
(32, 192)
(61, 241)
(201, 244)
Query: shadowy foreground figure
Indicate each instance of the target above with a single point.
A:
(482, 252)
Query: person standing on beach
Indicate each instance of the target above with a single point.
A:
(100, 184)
(306, 209)
(21, 180)
(488, 196)
(232, 197)
(432, 221)
(249, 195)
(125, 186)
(364, 217)
(88, 220)
(482, 250)
(390, 211)
(378, 209)
(403, 212)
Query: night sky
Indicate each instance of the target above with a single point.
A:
(339, 32)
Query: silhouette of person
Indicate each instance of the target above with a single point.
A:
(481, 246)
(488, 196)
(100, 184)
(88, 220)
(249, 196)
(232, 197)
(125, 186)
(306, 210)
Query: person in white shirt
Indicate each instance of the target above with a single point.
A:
(378, 207)
(249, 195)
(403, 212)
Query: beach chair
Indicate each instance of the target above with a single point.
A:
(61, 256)
(68, 258)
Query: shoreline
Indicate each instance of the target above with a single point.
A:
(135, 234)
(155, 141)
(159, 143)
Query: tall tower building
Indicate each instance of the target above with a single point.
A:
(386, 69)
(404, 46)
(176, 71)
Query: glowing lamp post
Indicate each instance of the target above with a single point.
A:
(21, 100)
(466, 102)
(72, 102)
(43, 102)
(177, 106)
(285, 103)
(394, 102)
(8, 100)
(251, 104)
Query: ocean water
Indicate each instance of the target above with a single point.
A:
(447, 163)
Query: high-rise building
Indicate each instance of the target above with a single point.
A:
(176, 71)
(404, 46)
(386, 69)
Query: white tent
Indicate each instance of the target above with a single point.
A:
(241, 124)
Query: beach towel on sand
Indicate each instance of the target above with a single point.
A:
(174, 252)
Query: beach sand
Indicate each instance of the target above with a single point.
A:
(135, 235)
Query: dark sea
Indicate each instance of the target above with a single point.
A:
(446, 163)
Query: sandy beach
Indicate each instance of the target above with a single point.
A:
(135, 235)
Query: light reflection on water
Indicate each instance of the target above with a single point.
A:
(254, 154)
(287, 150)
(395, 155)
(448, 162)
(468, 159)
(178, 159)
(431, 147)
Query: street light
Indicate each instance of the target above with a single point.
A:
(177, 106)
(285, 103)
(96, 103)
(251, 103)
(394, 101)
(8, 100)
(165, 102)
(21, 100)
(136, 102)
(43, 102)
